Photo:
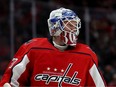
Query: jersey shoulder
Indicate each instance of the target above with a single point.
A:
(34, 43)
(85, 49)
(38, 42)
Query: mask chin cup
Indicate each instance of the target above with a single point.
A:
(69, 38)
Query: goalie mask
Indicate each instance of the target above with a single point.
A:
(65, 24)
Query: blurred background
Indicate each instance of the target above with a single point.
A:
(22, 20)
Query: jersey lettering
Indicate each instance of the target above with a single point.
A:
(56, 78)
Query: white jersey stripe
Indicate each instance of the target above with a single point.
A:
(18, 70)
(96, 76)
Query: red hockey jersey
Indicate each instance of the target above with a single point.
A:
(39, 63)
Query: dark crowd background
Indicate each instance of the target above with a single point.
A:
(101, 20)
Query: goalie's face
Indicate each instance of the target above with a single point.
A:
(70, 26)
(70, 32)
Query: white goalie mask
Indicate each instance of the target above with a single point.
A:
(65, 24)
